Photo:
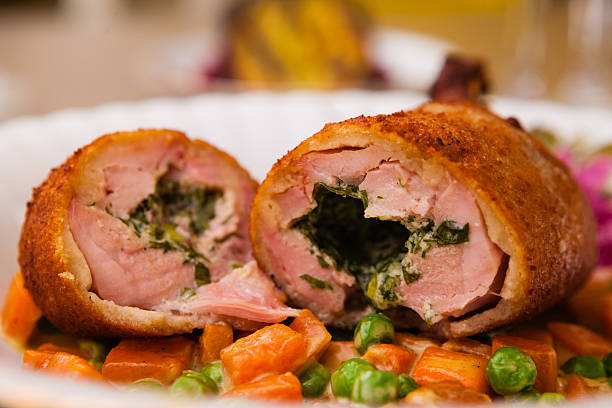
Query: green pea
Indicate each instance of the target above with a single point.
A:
(371, 330)
(206, 380)
(528, 395)
(586, 366)
(314, 380)
(343, 379)
(145, 385)
(607, 362)
(406, 385)
(214, 371)
(375, 388)
(96, 350)
(510, 370)
(551, 398)
(193, 384)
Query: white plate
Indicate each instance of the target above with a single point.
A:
(257, 128)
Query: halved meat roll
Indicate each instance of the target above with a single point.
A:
(446, 218)
(145, 233)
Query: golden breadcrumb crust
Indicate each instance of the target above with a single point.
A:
(534, 210)
(55, 271)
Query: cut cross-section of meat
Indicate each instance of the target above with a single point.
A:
(145, 233)
(446, 218)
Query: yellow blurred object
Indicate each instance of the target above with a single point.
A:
(393, 7)
(305, 43)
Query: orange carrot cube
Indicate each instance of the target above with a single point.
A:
(579, 339)
(469, 346)
(284, 387)
(52, 348)
(19, 314)
(274, 349)
(64, 364)
(418, 344)
(576, 388)
(543, 355)
(162, 359)
(533, 333)
(390, 357)
(214, 338)
(337, 353)
(438, 364)
(315, 334)
(587, 305)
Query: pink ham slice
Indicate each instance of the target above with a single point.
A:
(127, 271)
(454, 277)
(245, 292)
(394, 192)
(295, 260)
(124, 270)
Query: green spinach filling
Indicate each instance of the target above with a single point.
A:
(316, 283)
(373, 250)
(172, 218)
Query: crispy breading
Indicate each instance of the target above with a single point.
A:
(534, 210)
(55, 271)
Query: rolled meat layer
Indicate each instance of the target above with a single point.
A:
(145, 233)
(447, 218)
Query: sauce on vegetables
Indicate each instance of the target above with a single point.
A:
(300, 360)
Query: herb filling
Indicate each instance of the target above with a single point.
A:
(377, 252)
(316, 283)
(172, 218)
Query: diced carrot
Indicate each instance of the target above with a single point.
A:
(533, 333)
(162, 359)
(587, 306)
(61, 363)
(418, 344)
(390, 357)
(438, 364)
(315, 334)
(592, 305)
(214, 338)
(52, 348)
(274, 349)
(579, 339)
(445, 392)
(543, 355)
(576, 388)
(284, 387)
(20, 314)
(338, 352)
(469, 346)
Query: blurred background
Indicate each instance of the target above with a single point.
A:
(71, 53)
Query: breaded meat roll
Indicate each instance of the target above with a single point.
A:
(447, 218)
(145, 233)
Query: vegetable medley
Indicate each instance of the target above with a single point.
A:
(547, 361)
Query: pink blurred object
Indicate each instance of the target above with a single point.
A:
(595, 177)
